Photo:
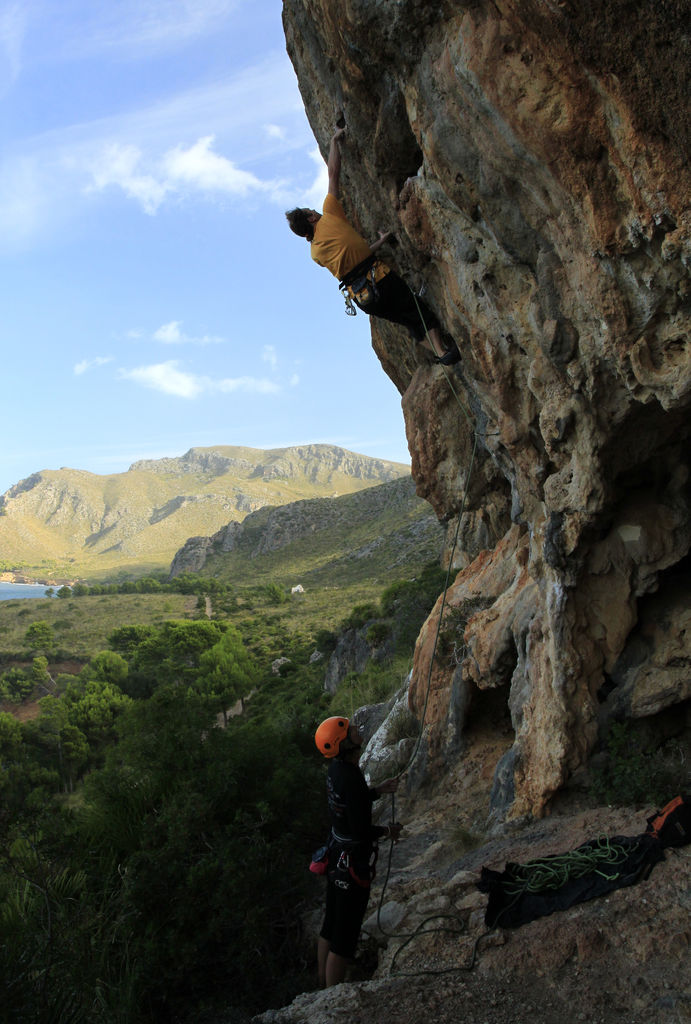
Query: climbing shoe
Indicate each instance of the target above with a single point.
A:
(450, 357)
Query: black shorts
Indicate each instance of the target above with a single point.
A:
(345, 912)
(398, 304)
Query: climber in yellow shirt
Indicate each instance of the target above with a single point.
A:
(369, 282)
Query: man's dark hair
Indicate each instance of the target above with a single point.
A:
(299, 224)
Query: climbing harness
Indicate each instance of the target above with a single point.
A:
(359, 285)
(342, 873)
(345, 871)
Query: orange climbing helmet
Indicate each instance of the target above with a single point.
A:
(329, 735)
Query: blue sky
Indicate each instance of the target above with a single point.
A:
(153, 298)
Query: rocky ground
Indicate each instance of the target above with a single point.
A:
(620, 959)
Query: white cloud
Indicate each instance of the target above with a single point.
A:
(157, 153)
(249, 385)
(294, 380)
(179, 172)
(117, 165)
(171, 380)
(170, 334)
(275, 131)
(200, 168)
(89, 364)
(165, 377)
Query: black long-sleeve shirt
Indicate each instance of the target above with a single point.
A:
(350, 809)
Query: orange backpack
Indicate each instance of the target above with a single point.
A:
(672, 825)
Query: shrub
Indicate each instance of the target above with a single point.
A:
(275, 594)
(360, 614)
(39, 636)
(632, 774)
(15, 685)
(377, 634)
(325, 641)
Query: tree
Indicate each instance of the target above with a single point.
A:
(227, 672)
(64, 592)
(207, 828)
(39, 636)
(275, 594)
(40, 676)
(148, 585)
(15, 685)
(25, 783)
(10, 735)
(126, 639)
(172, 653)
(95, 708)
(68, 746)
(75, 752)
(109, 666)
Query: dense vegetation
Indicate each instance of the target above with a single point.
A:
(153, 845)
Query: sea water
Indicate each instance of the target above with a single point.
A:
(11, 591)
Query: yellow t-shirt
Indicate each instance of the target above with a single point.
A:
(336, 245)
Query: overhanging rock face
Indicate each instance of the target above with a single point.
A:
(532, 159)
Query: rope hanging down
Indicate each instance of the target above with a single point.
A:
(459, 928)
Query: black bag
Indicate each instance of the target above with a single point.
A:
(672, 825)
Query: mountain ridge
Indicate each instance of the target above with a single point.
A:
(73, 523)
(321, 536)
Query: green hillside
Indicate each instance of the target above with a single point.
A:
(342, 551)
(374, 535)
(66, 524)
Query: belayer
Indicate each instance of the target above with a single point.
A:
(367, 280)
(351, 847)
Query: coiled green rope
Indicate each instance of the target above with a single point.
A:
(601, 857)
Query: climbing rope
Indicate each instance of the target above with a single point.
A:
(602, 857)
(615, 862)
(452, 554)
(457, 927)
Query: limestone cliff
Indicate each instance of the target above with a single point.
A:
(532, 159)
